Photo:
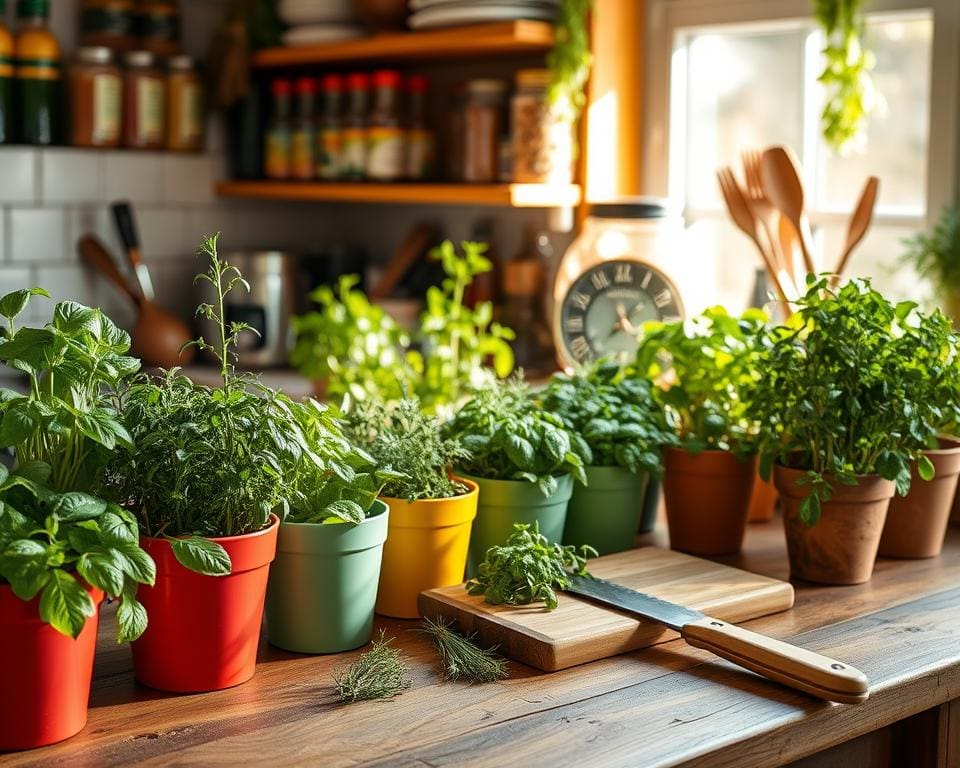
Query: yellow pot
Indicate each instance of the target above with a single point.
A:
(426, 547)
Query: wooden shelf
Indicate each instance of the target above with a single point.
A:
(510, 195)
(507, 37)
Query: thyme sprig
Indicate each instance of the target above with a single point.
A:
(462, 658)
(380, 673)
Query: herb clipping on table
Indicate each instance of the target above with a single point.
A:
(63, 432)
(461, 657)
(380, 673)
(528, 569)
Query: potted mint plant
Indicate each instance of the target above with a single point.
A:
(62, 548)
(706, 370)
(431, 510)
(524, 460)
(624, 429)
(840, 422)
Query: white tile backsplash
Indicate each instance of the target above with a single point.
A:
(18, 175)
(188, 179)
(38, 235)
(163, 232)
(135, 176)
(71, 176)
(14, 279)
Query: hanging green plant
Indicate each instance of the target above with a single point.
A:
(846, 74)
(569, 60)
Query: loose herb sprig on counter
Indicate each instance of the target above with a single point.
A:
(462, 659)
(380, 673)
(528, 569)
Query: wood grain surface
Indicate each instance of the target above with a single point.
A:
(580, 631)
(665, 705)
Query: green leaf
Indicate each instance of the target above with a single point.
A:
(24, 564)
(137, 564)
(925, 468)
(12, 304)
(103, 570)
(131, 616)
(116, 532)
(65, 605)
(810, 510)
(76, 506)
(71, 318)
(18, 424)
(201, 555)
(519, 451)
(40, 348)
(548, 486)
(346, 510)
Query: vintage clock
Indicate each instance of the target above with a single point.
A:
(613, 279)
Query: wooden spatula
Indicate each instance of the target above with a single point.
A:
(859, 224)
(780, 174)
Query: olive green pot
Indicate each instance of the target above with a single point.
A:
(605, 513)
(323, 584)
(505, 502)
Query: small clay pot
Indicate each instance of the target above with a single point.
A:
(707, 496)
(842, 548)
(916, 523)
(763, 501)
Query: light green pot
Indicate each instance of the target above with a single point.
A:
(606, 512)
(505, 502)
(323, 584)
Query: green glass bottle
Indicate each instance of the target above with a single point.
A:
(6, 78)
(37, 76)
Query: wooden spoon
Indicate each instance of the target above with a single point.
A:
(158, 334)
(781, 181)
(859, 224)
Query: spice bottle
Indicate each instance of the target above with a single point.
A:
(144, 101)
(95, 87)
(37, 94)
(108, 23)
(354, 152)
(157, 27)
(542, 142)
(330, 131)
(385, 156)
(303, 142)
(184, 105)
(420, 160)
(276, 150)
(6, 79)
(482, 126)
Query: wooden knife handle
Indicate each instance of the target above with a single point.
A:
(804, 670)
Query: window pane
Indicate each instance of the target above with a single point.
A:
(898, 131)
(744, 90)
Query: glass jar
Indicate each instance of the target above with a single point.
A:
(330, 129)
(144, 101)
(95, 107)
(353, 156)
(107, 23)
(303, 137)
(277, 139)
(184, 106)
(384, 160)
(542, 142)
(157, 27)
(483, 110)
(419, 139)
(38, 95)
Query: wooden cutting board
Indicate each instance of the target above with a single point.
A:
(579, 631)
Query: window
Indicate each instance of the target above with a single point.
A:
(740, 79)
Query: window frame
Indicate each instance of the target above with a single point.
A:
(665, 17)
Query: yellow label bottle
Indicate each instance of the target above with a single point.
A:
(37, 75)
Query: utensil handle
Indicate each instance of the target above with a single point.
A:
(94, 254)
(795, 667)
(126, 225)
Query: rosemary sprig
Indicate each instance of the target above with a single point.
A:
(462, 659)
(378, 674)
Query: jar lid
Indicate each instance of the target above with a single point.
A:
(533, 78)
(631, 208)
(281, 87)
(486, 87)
(94, 54)
(28, 9)
(331, 83)
(139, 59)
(180, 63)
(386, 78)
(306, 85)
(417, 84)
(358, 81)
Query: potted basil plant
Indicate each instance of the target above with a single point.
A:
(839, 426)
(204, 481)
(706, 370)
(431, 510)
(624, 429)
(62, 548)
(524, 461)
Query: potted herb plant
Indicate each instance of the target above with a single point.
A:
(524, 461)
(61, 547)
(323, 583)
(207, 474)
(431, 511)
(707, 369)
(624, 429)
(837, 410)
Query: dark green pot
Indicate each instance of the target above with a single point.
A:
(505, 502)
(651, 505)
(606, 512)
(323, 584)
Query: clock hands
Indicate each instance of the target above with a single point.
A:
(624, 322)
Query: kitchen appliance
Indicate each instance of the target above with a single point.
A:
(267, 308)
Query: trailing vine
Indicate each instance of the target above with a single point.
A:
(569, 60)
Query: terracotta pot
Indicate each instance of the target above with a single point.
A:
(842, 547)
(203, 631)
(426, 548)
(45, 687)
(763, 501)
(916, 523)
(382, 14)
(707, 496)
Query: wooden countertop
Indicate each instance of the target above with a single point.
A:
(666, 705)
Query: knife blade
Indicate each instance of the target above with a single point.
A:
(787, 664)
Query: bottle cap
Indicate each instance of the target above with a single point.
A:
(331, 83)
(281, 87)
(180, 63)
(306, 85)
(357, 81)
(29, 9)
(139, 59)
(93, 54)
(386, 78)
(417, 84)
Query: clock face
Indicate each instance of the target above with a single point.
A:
(605, 308)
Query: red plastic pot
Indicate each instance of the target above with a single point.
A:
(203, 631)
(45, 686)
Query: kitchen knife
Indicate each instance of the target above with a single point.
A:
(795, 667)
